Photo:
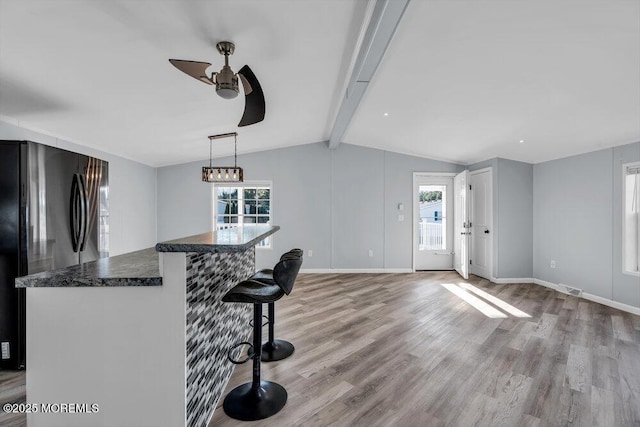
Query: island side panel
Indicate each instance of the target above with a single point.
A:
(119, 347)
(213, 326)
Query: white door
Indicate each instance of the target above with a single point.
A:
(481, 223)
(433, 214)
(461, 224)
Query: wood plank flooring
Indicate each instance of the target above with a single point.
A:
(402, 349)
(12, 390)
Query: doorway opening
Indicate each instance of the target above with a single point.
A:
(433, 225)
(453, 222)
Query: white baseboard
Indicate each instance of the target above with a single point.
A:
(547, 284)
(615, 304)
(512, 280)
(354, 270)
(595, 298)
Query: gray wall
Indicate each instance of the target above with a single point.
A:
(515, 216)
(339, 203)
(132, 191)
(577, 223)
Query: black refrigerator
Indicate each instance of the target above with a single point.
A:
(54, 212)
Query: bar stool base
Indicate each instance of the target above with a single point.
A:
(276, 350)
(248, 404)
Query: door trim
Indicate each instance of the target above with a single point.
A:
(415, 208)
(461, 243)
(492, 222)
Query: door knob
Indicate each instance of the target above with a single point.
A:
(486, 231)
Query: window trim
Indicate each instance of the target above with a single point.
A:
(623, 190)
(249, 184)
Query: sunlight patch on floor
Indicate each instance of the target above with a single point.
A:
(494, 300)
(486, 309)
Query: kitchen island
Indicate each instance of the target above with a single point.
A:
(138, 339)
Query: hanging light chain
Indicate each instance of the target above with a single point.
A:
(235, 150)
(210, 152)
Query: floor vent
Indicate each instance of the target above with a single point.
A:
(570, 290)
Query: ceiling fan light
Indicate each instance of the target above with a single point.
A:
(226, 93)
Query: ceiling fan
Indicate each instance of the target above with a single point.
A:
(226, 82)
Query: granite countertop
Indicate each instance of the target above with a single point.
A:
(140, 268)
(233, 239)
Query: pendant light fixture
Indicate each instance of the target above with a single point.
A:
(223, 173)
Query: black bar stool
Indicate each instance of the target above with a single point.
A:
(275, 349)
(259, 399)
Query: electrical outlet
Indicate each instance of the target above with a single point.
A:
(309, 253)
(370, 252)
(400, 217)
(553, 263)
(6, 352)
(400, 207)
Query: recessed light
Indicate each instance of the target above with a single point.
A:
(386, 114)
(522, 141)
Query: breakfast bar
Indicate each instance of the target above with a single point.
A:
(140, 338)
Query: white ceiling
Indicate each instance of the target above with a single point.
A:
(467, 80)
(462, 80)
(97, 72)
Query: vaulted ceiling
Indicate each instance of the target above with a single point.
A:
(461, 80)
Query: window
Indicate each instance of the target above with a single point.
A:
(433, 220)
(631, 220)
(243, 205)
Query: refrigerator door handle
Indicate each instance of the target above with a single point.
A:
(85, 213)
(73, 213)
(77, 212)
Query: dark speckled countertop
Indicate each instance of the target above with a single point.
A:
(138, 268)
(141, 268)
(233, 239)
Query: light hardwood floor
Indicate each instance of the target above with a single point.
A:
(12, 390)
(405, 350)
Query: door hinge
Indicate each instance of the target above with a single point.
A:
(469, 186)
(469, 224)
(470, 263)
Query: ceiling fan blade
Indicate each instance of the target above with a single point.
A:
(194, 69)
(254, 98)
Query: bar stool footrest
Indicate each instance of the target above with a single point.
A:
(250, 353)
(264, 324)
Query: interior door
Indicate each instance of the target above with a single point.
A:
(461, 224)
(481, 224)
(433, 210)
